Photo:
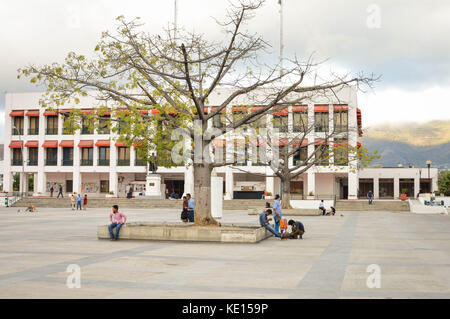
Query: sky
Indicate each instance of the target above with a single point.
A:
(404, 42)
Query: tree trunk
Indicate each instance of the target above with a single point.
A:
(286, 194)
(202, 195)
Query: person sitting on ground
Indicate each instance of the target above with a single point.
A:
(118, 219)
(184, 213)
(264, 222)
(297, 229)
(31, 208)
(332, 212)
(322, 207)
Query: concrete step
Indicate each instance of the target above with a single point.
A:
(379, 205)
(236, 204)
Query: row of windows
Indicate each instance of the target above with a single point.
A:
(280, 122)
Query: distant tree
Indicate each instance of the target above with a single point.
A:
(444, 183)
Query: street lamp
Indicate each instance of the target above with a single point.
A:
(429, 165)
(22, 179)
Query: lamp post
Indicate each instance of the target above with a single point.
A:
(429, 165)
(22, 178)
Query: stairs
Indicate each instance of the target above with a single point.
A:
(236, 204)
(377, 205)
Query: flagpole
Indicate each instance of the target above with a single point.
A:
(280, 2)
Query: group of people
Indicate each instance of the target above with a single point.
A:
(77, 200)
(187, 214)
(324, 210)
(297, 227)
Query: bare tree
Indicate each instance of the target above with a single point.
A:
(135, 73)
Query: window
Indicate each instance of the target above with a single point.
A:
(300, 121)
(280, 122)
(34, 126)
(67, 129)
(32, 156)
(321, 121)
(301, 156)
(261, 155)
(103, 156)
(340, 119)
(104, 186)
(123, 156)
(87, 125)
(17, 128)
(16, 157)
(67, 156)
(103, 125)
(322, 155)
(87, 155)
(52, 125)
(219, 120)
(139, 161)
(240, 152)
(220, 151)
(51, 156)
(340, 152)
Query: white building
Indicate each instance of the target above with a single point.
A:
(38, 151)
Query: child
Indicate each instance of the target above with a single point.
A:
(72, 201)
(85, 202)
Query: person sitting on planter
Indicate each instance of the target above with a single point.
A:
(322, 207)
(297, 229)
(264, 222)
(118, 219)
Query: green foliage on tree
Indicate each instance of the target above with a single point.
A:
(444, 183)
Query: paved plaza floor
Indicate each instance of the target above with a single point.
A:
(411, 251)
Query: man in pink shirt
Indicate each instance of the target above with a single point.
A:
(117, 219)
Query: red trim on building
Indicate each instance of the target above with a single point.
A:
(86, 143)
(50, 113)
(321, 108)
(32, 144)
(281, 112)
(16, 144)
(103, 143)
(50, 144)
(341, 107)
(66, 143)
(16, 113)
(300, 108)
(120, 144)
(32, 113)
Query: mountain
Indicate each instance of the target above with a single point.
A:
(410, 143)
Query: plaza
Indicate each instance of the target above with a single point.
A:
(411, 250)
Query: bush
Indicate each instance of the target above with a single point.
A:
(444, 183)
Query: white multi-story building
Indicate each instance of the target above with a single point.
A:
(39, 154)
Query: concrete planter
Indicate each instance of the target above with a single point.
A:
(110, 196)
(188, 232)
(289, 212)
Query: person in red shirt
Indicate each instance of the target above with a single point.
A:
(85, 201)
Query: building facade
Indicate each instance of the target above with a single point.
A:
(40, 154)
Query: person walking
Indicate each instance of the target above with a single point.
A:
(370, 197)
(72, 201)
(118, 219)
(85, 202)
(51, 191)
(60, 191)
(184, 212)
(79, 200)
(277, 212)
(191, 206)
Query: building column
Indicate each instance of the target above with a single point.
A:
(189, 180)
(311, 187)
(229, 183)
(270, 185)
(132, 156)
(434, 184)
(376, 187)
(41, 182)
(416, 185)
(113, 181)
(396, 187)
(352, 185)
(77, 181)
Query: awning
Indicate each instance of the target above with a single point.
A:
(102, 143)
(65, 111)
(296, 142)
(256, 108)
(66, 143)
(33, 113)
(32, 144)
(120, 144)
(300, 108)
(16, 113)
(239, 109)
(86, 143)
(87, 111)
(281, 112)
(320, 141)
(321, 108)
(341, 107)
(143, 111)
(50, 144)
(15, 144)
(214, 108)
(49, 113)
